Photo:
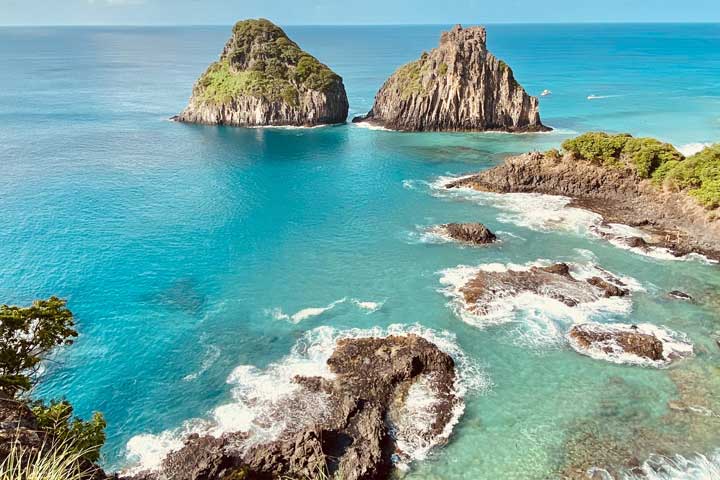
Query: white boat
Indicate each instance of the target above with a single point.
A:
(545, 93)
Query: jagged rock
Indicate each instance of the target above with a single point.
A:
(554, 281)
(673, 219)
(459, 86)
(263, 78)
(373, 378)
(609, 289)
(475, 233)
(639, 344)
(17, 424)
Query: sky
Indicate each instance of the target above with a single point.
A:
(354, 12)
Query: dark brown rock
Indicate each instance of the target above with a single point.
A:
(673, 220)
(475, 233)
(373, 378)
(639, 344)
(458, 86)
(680, 295)
(553, 281)
(609, 289)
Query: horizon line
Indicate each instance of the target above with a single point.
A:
(169, 25)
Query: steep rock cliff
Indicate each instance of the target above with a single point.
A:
(264, 79)
(459, 86)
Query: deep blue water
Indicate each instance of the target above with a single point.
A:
(176, 244)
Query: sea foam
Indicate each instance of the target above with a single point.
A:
(265, 402)
(541, 320)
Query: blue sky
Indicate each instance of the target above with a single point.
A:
(303, 12)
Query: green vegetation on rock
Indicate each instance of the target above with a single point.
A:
(698, 175)
(261, 61)
(644, 155)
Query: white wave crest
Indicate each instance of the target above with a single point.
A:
(542, 320)
(265, 401)
(368, 306)
(212, 353)
(660, 467)
(309, 312)
(547, 213)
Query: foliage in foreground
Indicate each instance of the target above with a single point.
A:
(27, 336)
(698, 175)
(85, 437)
(56, 461)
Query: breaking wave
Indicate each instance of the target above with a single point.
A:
(541, 319)
(265, 402)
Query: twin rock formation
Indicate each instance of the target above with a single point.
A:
(264, 79)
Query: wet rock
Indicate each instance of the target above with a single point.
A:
(607, 340)
(633, 344)
(553, 281)
(373, 379)
(458, 86)
(673, 220)
(680, 295)
(475, 233)
(609, 289)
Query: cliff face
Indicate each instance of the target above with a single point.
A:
(263, 78)
(458, 86)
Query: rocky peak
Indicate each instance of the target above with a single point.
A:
(458, 86)
(264, 78)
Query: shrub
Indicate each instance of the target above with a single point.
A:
(84, 437)
(263, 62)
(27, 335)
(442, 70)
(698, 174)
(644, 155)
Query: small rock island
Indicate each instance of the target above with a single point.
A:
(459, 86)
(264, 79)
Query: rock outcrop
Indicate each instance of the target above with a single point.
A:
(672, 219)
(634, 344)
(554, 281)
(459, 86)
(363, 432)
(264, 79)
(473, 233)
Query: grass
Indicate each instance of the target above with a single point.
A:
(698, 175)
(55, 461)
(262, 61)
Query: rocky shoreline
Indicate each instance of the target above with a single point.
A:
(362, 427)
(670, 219)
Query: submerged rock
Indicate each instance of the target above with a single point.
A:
(475, 233)
(458, 86)
(680, 295)
(634, 344)
(264, 79)
(366, 426)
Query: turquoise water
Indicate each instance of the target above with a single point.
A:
(176, 245)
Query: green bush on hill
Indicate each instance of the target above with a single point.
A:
(699, 174)
(263, 62)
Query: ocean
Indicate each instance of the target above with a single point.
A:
(207, 265)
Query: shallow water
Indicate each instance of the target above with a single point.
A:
(188, 251)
